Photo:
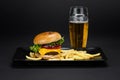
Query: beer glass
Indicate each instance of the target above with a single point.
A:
(78, 27)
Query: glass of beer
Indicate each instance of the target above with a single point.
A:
(78, 27)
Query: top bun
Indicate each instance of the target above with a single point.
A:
(46, 37)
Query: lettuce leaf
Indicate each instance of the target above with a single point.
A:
(59, 42)
(35, 48)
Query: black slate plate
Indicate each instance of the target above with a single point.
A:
(19, 60)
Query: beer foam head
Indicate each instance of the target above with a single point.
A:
(78, 18)
(78, 21)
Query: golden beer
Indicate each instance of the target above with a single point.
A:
(78, 34)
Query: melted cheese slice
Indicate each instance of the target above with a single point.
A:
(43, 51)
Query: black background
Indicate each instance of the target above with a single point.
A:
(29, 17)
(21, 20)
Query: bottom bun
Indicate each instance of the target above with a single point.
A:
(47, 57)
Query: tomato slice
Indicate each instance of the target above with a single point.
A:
(51, 47)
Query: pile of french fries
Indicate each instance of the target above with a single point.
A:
(77, 55)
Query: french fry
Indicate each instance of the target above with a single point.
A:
(78, 57)
(54, 59)
(35, 59)
(32, 55)
(37, 55)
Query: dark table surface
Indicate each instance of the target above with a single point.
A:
(110, 46)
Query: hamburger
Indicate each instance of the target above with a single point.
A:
(47, 44)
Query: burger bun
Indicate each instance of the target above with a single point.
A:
(46, 37)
